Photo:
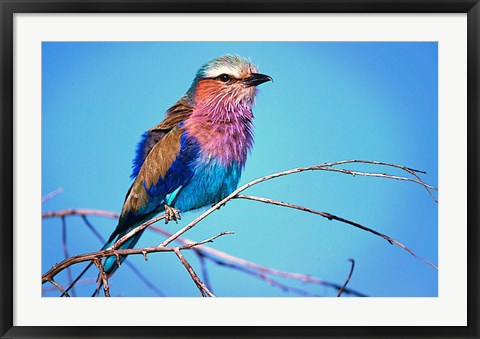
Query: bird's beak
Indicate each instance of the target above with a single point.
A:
(256, 79)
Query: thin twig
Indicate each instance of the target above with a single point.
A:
(52, 194)
(58, 286)
(201, 286)
(102, 276)
(407, 169)
(348, 278)
(79, 211)
(334, 217)
(383, 175)
(65, 252)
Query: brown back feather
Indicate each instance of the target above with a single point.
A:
(158, 158)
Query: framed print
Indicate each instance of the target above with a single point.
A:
(298, 169)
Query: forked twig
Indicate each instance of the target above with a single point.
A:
(135, 270)
(103, 276)
(340, 291)
(404, 168)
(334, 217)
(322, 167)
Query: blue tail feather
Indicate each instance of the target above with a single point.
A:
(111, 265)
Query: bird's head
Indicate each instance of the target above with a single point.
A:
(227, 81)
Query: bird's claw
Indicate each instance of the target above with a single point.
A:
(220, 206)
(172, 214)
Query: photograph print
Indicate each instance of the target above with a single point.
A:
(239, 169)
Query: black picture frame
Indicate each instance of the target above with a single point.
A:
(10, 7)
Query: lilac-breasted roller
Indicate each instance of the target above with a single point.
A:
(195, 156)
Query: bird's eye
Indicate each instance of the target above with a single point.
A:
(223, 77)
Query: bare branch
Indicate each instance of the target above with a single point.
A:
(113, 250)
(334, 217)
(322, 167)
(222, 259)
(118, 252)
(201, 286)
(325, 167)
(348, 278)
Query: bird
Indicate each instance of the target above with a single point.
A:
(195, 156)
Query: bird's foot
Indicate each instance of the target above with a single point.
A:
(171, 214)
(219, 206)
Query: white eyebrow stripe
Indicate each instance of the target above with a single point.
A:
(223, 70)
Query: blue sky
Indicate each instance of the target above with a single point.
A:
(328, 102)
